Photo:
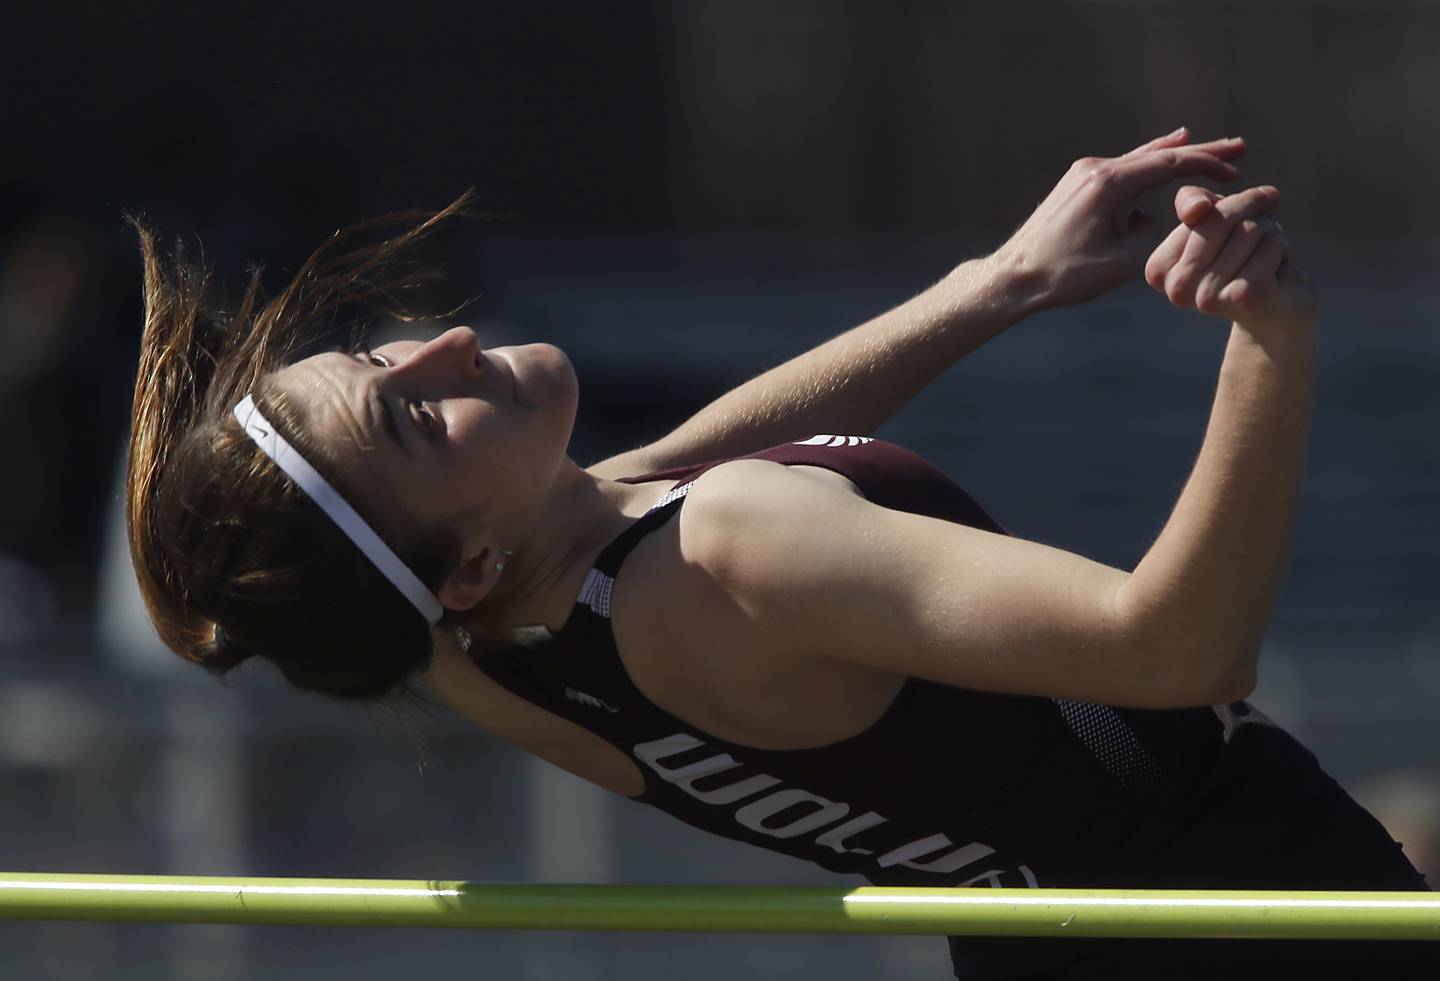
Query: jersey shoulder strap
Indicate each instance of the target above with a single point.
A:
(607, 565)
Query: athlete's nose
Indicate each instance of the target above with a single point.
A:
(461, 344)
(454, 354)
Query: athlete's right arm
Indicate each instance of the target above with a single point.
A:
(811, 574)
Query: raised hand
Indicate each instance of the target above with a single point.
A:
(1230, 258)
(1087, 236)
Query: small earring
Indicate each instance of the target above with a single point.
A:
(463, 638)
(507, 552)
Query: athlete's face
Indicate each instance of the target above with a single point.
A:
(452, 435)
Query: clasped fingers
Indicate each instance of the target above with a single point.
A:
(1247, 278)
(1192, 249)
(1245, 262)
(1249, 260)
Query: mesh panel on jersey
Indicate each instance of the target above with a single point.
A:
(596, 592)
(674, 494)
(1112, 742)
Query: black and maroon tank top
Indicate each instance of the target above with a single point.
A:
(949, 787)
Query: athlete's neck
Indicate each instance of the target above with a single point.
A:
(581, 514)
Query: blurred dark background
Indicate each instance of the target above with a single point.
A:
(683, 194)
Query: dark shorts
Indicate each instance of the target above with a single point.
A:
(1269, 819)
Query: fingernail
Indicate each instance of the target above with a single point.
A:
(1177, 132)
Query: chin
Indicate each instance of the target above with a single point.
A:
(563, 372)
(560, 362)
(560, 396)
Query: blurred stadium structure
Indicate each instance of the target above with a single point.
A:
(699, 190)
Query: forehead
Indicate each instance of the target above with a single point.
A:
(334, 400)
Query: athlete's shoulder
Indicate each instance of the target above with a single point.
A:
(738, 523)
(737, 501)
(730, 480)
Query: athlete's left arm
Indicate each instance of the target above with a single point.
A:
(1084, 239)
(851, 383)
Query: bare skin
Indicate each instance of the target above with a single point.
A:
(1011, 616)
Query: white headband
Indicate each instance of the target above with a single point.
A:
(288, 459)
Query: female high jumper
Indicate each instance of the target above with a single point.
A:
(767, 623)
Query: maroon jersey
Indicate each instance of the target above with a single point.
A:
(954, 787)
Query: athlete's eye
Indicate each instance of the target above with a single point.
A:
(428, 422)
(363, 352)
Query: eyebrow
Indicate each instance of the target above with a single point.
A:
(387, 420)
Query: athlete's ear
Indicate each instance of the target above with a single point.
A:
(471, 582)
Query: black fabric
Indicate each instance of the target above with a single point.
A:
(1268, 818)
(953, 787)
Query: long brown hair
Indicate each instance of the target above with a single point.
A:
(233, 559)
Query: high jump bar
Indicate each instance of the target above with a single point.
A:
(723, 909)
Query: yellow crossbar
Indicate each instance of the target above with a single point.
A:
(728, 909)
